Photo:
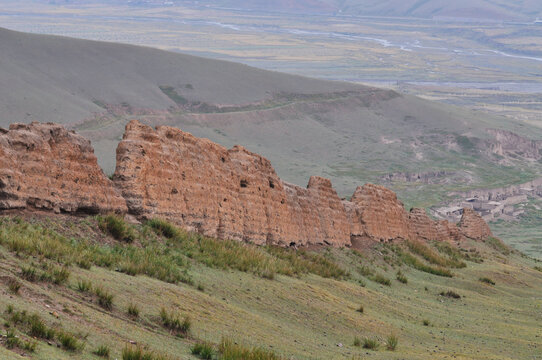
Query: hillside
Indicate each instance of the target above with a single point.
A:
(299, 305)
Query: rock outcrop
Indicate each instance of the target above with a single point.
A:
(44, 166)
(473, 226)
(204, 187)
(381, 215)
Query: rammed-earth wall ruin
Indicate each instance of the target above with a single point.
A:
(204, 187)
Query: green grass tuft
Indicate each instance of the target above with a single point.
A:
(487, 280)
(117, 227)
(174, 323)
(102, 351)
(229, 350)
(401, 277)
(105, 299)
(371, 344)
(203, 350)
(133, 311)
(391, 342)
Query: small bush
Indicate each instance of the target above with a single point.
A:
(357, 341)
(229, 350)
(29, 274)
(102, 351)
(426, 322)
(391, 342)
(487, 280)
(200, 287)
(38, 329)
(538, 268)
(14, 285)
(105, 299)
(371, 344)
(174, 323)
(84, 286)
(117, 227)
(164, 228)
(12, 341)
(365, 271)
(360, 309)
(450, 294)
(414, 262)
(69, 342)
(203, 350)
(138, 353)
(381, 280)
(133, 310)
(401, 277)
(56, 275)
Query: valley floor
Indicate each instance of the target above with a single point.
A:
(300, 305)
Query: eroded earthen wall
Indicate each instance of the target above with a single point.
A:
(46, 167)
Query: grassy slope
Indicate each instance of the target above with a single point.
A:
(70, 77)
(303, 317)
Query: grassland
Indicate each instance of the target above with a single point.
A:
(301, 314)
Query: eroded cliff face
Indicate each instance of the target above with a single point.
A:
(223, 193)
(204, 187)
(46, 167)
(473, 226)
(381, 215)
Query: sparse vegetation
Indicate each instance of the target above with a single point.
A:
(357, 341)
(498, 245)
(414, 262)
(391, 342)
(401, 277)
(371, 344)
(431, 256)
(381, 279)
(13, 285)
(105, 299)
(133, 310)
(229, 350)
(84, 286)
(173, 322)
(102, 351)
(203, 350)
(164, 228)
(117, 227)
(138, 353)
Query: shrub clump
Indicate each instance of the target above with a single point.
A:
(487, 280)
(164, 228)
(174, 323)
(203, 350)
(229, 350)
(133, 311)
(450, 294)
(105, 299)
(102, 351)
(401, 277)
(117, 227)
(391, 342)
(381, 279)
(371, 344)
